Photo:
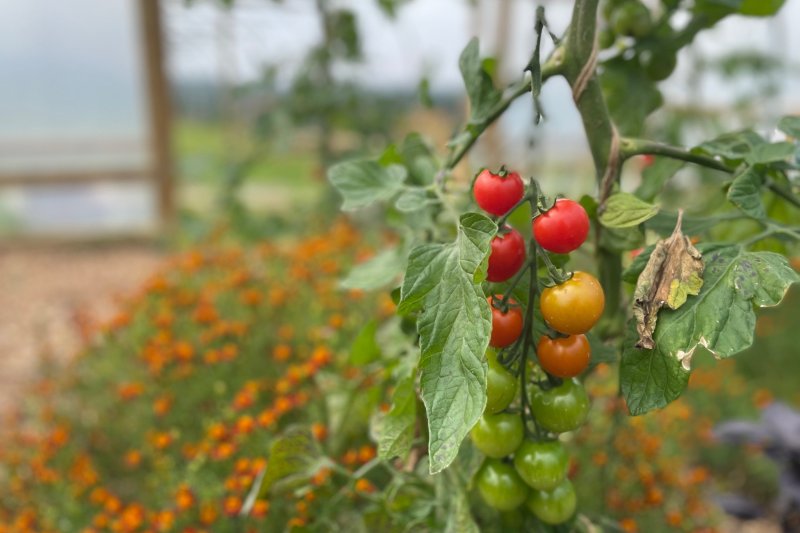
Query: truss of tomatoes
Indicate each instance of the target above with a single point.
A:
(523, 469)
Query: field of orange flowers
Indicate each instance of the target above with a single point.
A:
(166, 421)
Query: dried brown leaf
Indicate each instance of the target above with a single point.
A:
(673, 272)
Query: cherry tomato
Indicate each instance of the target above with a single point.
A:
(500, 485)
(659, 63)
(562, 228)
(506, 327)
(498, 435)
(501, 385)
(498, 193)
(562, 408)
(633, 19)
(553, 506)
(565, 357)
(542, 465)
(574, 306)
(508, 254)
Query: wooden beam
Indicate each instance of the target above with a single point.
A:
(160, 108)
(72, 178)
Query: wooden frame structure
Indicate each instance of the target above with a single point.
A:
(159, 167)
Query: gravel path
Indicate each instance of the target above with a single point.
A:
(45, 293)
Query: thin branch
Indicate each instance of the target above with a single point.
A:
(631, 147)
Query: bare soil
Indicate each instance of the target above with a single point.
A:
(47, 293)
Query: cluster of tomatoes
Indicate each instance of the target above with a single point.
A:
(525, 467)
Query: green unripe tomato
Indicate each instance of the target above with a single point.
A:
(607, 38)
(562, 408)
(500, 486)
(609, 6)
(498, 435)
(501, 385)
(659, 63)
(671, 4)
(553, 506)
(632, 19)
(542, 465)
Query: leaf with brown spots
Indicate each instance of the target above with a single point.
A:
(673, 272)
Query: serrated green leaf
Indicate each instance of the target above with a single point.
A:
(790, 126)
(454, 327)
(771, 153)
(624, 210)
(481, 90)
(631, 96)
(664, 222)
(362, 183)
(365, 349)
(459, 516)
(397, 428)
(732, 146)
(745, 193)
(413, 199)
(656, 176)
(293, 458)
(721, 319)
(376, 272)
(621, 239)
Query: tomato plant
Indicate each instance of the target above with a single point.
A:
(469, 281)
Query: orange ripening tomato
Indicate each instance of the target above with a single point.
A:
(564, 357)
(574, 306)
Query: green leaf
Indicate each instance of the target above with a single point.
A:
(649, 379)
(293, 458)
(413, 199)
(459, 516)
(664, 222)
(362, 183)
(760, 8)
(454, 326)
(377, 272)
(656, 176)
(790, 126)
(621, 239)
(771, 153)
(745, 193)
(601, 352)
(481, 90)
(732, 146)
(364, 349)
(631, 96)
(624, 210)
(397, 427)
(721, 319)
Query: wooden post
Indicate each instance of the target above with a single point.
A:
(158, 100)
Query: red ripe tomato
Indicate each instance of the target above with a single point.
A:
(574, 306)
(564, 357)
(506, 327)
(508, 254)
(498, 193)
(562, 228)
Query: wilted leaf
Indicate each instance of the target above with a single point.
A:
(673, 272)
(444, 281)
(721, 319)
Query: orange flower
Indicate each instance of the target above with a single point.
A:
(629, 525)
(162, 404)
(245, 424)
(267, 418)
(281, 352)
(232, 505)
(128, 391)
(319, 431)
(161, 440)
(184, 498)
(366, 453)
(251, 297)
(223, 451)
(217, 431)
(363, 485)
(164, 520)
(321, 356)
(132, 458)
(260, 509)
(208, 513)
(183, 351)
